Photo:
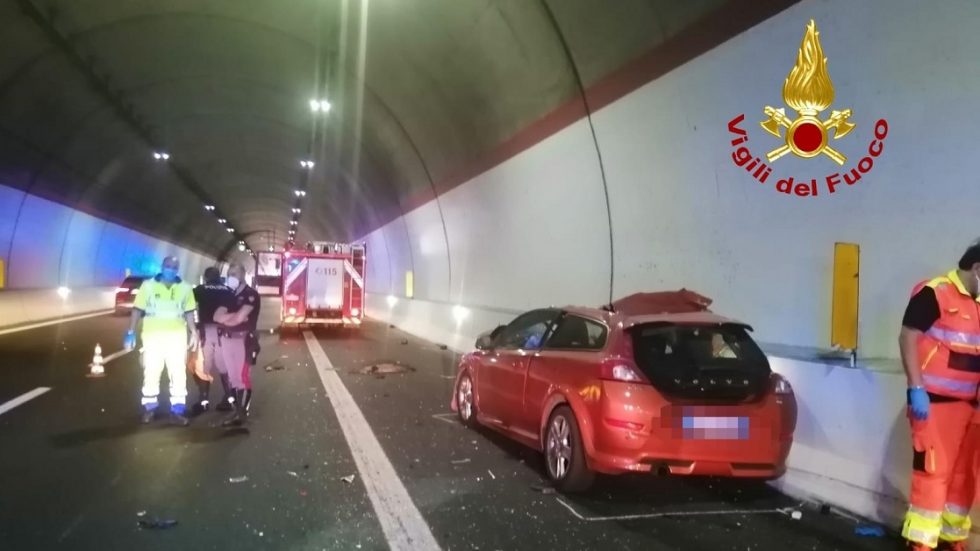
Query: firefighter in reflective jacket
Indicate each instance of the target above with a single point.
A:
(940, 346)
(166, 305)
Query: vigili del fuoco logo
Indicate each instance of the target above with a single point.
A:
(808, 91)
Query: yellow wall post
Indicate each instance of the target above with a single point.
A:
(409, 285)
(844, 314)
(3, 273)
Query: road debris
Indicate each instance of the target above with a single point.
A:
(274, 367)
(869, 531)
(460, 461)
(157, 524)
(544, 489)
(293, 474)
(797, 515)
(443, 347)
(348, 479)
(491, 474)
(141, 513)
(237, 479)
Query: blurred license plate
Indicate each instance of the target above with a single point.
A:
(716, 428)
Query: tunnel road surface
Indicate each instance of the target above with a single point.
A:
(80, 473)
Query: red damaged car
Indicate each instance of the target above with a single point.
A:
(654, 382)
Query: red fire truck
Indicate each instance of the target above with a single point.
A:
(323, 285)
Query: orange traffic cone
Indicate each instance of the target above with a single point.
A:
(97, 367)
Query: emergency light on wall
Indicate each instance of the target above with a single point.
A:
(63, 292)
(460, 313)
(320, 106)
(392, 301)
(161, 156)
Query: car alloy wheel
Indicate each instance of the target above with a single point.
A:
(564, 450)
(559, 447)
(465, 401)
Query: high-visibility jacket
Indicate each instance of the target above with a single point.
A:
(164, 307)
(954, 335)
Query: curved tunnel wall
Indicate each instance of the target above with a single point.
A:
(45, 245)
(533, 231)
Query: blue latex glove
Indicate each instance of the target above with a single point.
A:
(918, 403)
(129, 341)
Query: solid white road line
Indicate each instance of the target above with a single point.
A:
(53, 322)
(401, 521)
(576, 514)
(23, 398)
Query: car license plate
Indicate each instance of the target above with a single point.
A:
(716, 428)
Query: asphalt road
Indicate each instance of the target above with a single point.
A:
(79, 472)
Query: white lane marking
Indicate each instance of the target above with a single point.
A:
(54, 322)
(23, 398)
(447, 417)
(401, 521)
(576, 514)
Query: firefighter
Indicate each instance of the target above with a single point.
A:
(166, 305)
(940, 348)
(239, 340)
(209, 296)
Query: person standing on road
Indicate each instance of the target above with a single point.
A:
(239, 345)
(209, 296)
(166, 305)
(940, 348)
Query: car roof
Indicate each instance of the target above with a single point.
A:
(678, 307)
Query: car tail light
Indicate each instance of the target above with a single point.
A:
(781, 385)
(618, 369)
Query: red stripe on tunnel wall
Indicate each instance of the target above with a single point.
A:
(712, 30)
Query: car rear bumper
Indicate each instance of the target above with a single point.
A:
(744, 440)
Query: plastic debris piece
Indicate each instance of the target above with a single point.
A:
(460, 461)
(491, 474)
(870, 531)
(348, 479)
(292, 473)
(797, 515)
(302, 493)
(141, 513)
(157, 524)
(237, 479)
(544, 489)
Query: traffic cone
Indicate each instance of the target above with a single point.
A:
(97, 367)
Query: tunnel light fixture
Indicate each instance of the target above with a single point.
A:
(222, 221)
(230, 230)
(293, 222)
(300, 193)
(209, 208)
(241, 247)
(296, 210)
(460, 313)
(161, 155)
(63, 292)
(320, 106)
(307, 164)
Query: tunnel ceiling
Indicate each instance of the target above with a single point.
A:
(420, 89)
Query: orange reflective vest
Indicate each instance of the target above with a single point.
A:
(957, 330)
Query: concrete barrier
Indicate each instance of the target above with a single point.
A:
(24, 306)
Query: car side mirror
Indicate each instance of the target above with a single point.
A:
(484, 342)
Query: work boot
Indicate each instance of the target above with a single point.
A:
(177, 417)
(916, 546)
(147, 417)
(246, 400)
(952, 546)
(236, 419)
(225, 404)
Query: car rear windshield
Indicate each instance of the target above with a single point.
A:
(701, 360)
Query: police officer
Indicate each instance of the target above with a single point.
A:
(210, 295)
(166, 305)
(239, 340)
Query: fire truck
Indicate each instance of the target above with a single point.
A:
(323, 285)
